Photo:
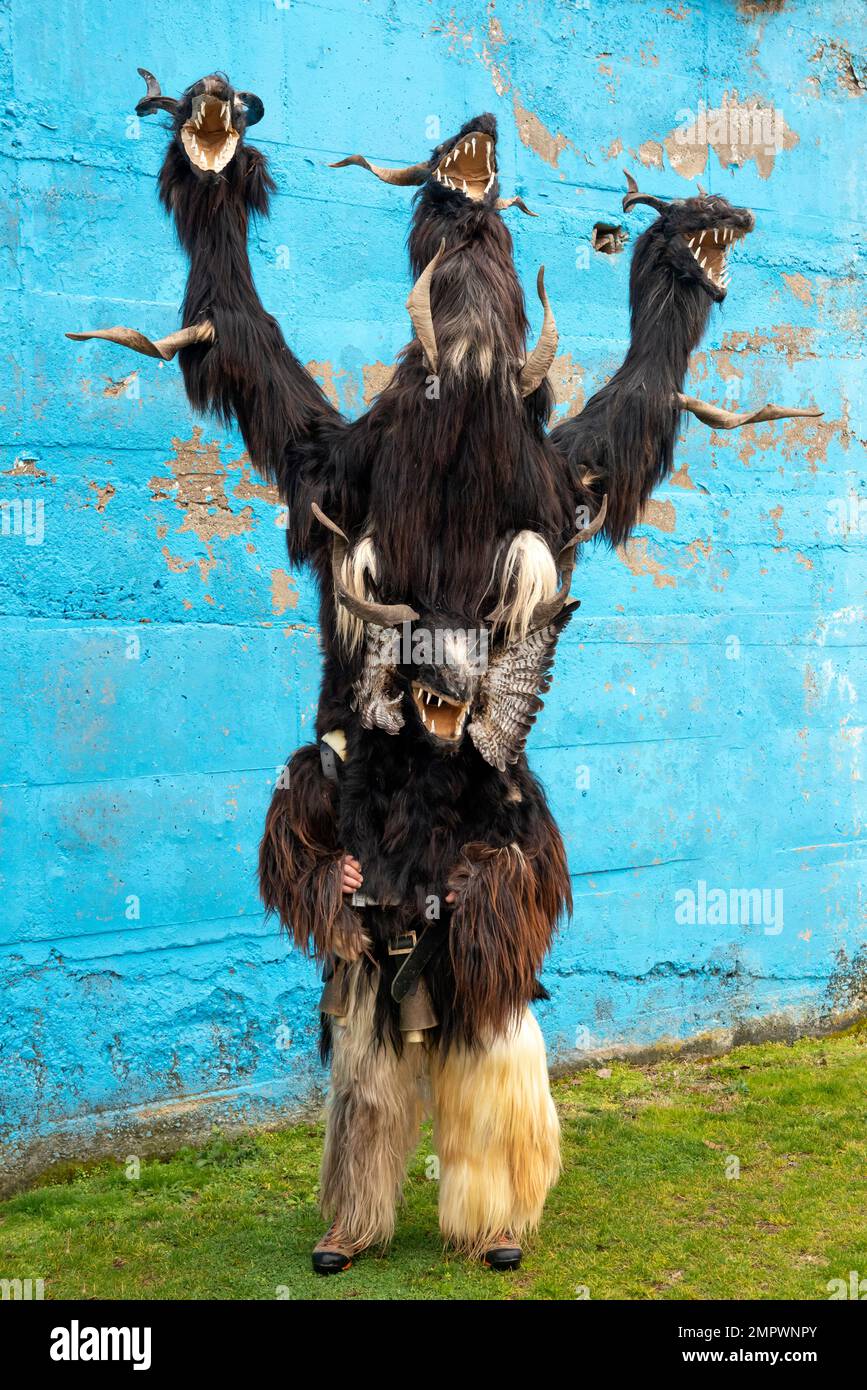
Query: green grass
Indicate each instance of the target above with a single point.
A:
(644, 1208)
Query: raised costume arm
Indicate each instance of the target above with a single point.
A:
(235, 361)
(623, 441)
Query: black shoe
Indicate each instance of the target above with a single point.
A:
(334, 1253)
(502, 1255)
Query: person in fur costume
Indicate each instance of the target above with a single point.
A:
(410, 849)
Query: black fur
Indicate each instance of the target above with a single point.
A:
(441, 472)
(624, 437)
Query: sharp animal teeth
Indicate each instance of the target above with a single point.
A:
(439, 701)
(702, 262)
(465, 185)
(466, 147)
(474, 147)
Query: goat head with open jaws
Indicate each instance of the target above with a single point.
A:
(623, 440)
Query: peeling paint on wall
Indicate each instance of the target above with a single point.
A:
(535, 135)
(737, 131)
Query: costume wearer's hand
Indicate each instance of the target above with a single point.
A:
(352, 875)
(349, 945)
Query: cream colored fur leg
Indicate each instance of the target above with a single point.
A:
(372, 1122)
(497, 1135)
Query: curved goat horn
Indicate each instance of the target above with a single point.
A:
(538, 364)
(633, 196)
(153, 98)
(252, 105)
(544, 612)
(165, 348)
(416, 174)
(382, 614)
(419, 310)
(502, 203)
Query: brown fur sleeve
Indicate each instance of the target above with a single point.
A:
(300, 862)
(508, 901)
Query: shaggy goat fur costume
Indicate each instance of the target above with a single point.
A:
(442, 525)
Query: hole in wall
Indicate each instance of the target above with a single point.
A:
(608, 238)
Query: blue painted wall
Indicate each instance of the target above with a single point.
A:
(159, 661)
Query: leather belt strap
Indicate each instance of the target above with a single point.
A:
(417, 957)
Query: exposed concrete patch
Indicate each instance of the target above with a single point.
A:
(323, 372)
(651, 155)
(737, 131)
(532, 132)
(249, 487)
(339, 385)
(696, 551)
(536, 136)
(24, 467)
(103, 494)
(634, 554)
(659, 513)
(119, 388)
(284, 594)
(175, 563)
(375, 376)
(836, 58)
(795, 344)
(197, 484)
(681, 478)
(759, 11)
(800, 287)
(808, 439)
(567, 380)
